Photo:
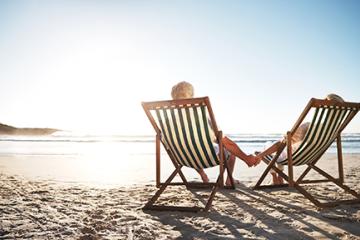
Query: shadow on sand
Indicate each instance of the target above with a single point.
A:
(247, 214)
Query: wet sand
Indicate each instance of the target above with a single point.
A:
(42, 209)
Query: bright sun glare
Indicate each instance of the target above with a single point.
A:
(87, 67)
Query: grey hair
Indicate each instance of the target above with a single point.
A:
(182, 90)
(335, 97)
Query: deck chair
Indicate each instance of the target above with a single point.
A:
(329, 119)
(186, 128)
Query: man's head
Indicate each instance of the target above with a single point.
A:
(182, 90)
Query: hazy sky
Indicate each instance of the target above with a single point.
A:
(87, 65)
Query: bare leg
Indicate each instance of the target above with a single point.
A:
(274, 178)
(280, 180)
(234, 149)
(231, 165)
(269, 150)
(203, 175)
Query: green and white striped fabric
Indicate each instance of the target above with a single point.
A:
(187, 134)
(322, 132)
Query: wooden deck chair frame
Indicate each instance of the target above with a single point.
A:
(278, 147)
(175, 104)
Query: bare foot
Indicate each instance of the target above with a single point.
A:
(280, 180)
(275, 178)
(204, 177)
(228, 182)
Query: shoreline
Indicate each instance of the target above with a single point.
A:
(92, 171)
(41, 209)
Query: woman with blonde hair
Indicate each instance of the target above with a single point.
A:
(334, 97)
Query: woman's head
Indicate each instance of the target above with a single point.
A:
(300, 132)
(335, 97)
(182, 90)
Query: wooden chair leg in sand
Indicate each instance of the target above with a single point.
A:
(339, 184)
(150, 205)
(278, 148)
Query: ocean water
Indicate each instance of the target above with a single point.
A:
(119, 160)
(66, 144)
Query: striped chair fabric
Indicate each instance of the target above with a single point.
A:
(323, 130)
(186, 132)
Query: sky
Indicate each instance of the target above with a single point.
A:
(87, 65)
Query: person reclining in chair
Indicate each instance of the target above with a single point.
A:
(296, 141)
(184, 90)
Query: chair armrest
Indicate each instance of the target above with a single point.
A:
(218, 135)
(270, 150)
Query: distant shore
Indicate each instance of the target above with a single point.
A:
(10, 130)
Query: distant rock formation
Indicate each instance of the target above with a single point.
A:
(10, 130)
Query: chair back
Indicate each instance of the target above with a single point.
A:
(188, 130)
(328, 121)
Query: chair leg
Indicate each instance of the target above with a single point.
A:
(337, 182)
(158, 158)
(307, 170)
(230, 176)
(269, 167)
(290, 160)
(261, 179)
(211, 197)
(307, 195)
(215, 188)
(295, 185)
(282, 174)
(340, 159)
(150, 204)
(176, 165)
(324, 204)
(161, 190)
(317, 203)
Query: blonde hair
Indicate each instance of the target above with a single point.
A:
(335, 97)
(182, 90)
(300, 132)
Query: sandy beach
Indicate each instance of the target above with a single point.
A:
(42, 209)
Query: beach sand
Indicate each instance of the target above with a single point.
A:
(41, 209)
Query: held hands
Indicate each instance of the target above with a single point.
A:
(253, 160)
